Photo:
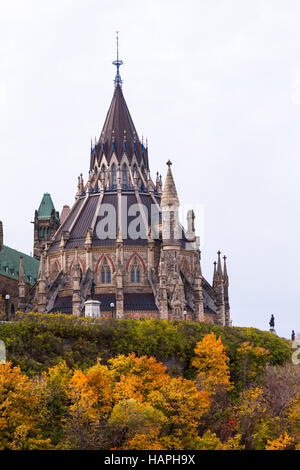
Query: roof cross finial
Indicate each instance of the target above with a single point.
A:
(118, 63)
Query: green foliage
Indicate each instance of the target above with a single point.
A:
(37, 342)
(132, 417)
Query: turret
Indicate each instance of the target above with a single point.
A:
(198, 293)
(42, 299)
(46, 223)
(171, 230)
(190, 225)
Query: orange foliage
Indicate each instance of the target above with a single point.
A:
(282, 443)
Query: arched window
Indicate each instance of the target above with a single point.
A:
(135, 271)
(114, 175)
(105, 272)
(124, 176)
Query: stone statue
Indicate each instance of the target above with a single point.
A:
(93, 285)
(272, 321)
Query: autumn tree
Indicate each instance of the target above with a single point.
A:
(91, 396)
(132, 423)
(183, 406)
(251, 362)
(211, 363)
(136, 376)
(20, 426)
(52, 389)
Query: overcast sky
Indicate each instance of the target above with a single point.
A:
(213, 84)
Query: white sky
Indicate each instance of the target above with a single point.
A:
(215, 85)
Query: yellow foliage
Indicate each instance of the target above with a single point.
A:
(92, 392)
(233, 443)
(145, 441)
(181, 403)
(137, 376)
(19, 405)
(131, 419)
(211, 363)
(209, 441)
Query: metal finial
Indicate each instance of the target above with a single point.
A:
(118, 63)
(169, 163)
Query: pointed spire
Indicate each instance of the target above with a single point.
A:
(76, 264)
(169, 197)
(46, 208)
(117, 125)
(225, 275)
(219, 291)
(219, 268)
(215, 274)
(41, 274)
(21, 272)
(118, 63)
(89, 238)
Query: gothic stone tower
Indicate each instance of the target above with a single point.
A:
(124, 233)
(46, 222)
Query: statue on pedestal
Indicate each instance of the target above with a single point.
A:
(272, 324)
(293, 336)
(92, 291)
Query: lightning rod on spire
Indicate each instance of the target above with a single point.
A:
(118, 63)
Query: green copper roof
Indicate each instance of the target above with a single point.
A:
(10, 264)
(46, 207)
